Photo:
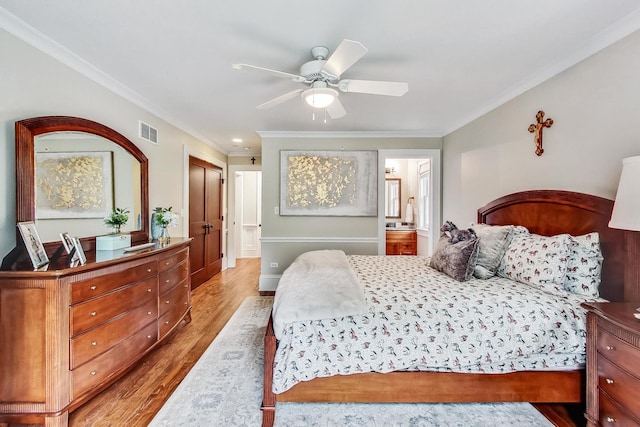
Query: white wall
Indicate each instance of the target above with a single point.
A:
(34, 84)
(595, 106)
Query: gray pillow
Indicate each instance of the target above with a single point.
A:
(456, 260)
(492, 245)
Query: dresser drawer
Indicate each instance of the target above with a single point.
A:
(170, 278)
(86, 346)
(612, 415)
(620, 385)
(91, 288)
(101, 368)
(176, 296)
(98, 310)
(619, 352)
(174, 310)
(175, 259)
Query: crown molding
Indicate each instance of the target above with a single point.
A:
(35, 38)
(337, 134)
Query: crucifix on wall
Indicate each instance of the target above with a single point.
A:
(536, 129)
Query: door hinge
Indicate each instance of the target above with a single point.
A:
(222, 180)
(222, 255)
(222, 218)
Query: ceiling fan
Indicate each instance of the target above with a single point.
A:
(321, 76)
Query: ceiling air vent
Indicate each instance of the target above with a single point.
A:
(148, 133)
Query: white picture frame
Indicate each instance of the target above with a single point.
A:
(33, 244)
(67, 242)
(79, 256)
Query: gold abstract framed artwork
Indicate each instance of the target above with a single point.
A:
(74, 184)
(328, 183)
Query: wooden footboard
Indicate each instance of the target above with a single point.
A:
(421, 387)
(268, 396)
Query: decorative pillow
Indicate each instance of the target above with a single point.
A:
(584, 265)
(456, 260)
(537, 260)
(493, 241)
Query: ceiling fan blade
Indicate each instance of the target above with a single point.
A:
(282, 98)
(336, 110)
(276, 73)
(374, 87)
(347, 54)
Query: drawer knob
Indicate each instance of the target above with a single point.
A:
(609, 381)
(149, 336)
(93, 372)
(93, 288)
(610, 420)
(167, 281)
(148, 270)
(610, 347)
(94, 343)
(167, 302)
(94, 313)
(148, 313)
(149, 290)
(166, 322)
(167, 263)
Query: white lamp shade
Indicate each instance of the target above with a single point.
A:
(319, 97)
(626, 210)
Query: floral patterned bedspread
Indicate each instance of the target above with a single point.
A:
(420, 319)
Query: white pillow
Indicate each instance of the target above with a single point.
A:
(584, 266)
(537, 260)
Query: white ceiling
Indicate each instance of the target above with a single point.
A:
(460, 58)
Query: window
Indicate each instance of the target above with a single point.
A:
(424, 187)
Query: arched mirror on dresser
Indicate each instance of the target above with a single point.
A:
(53, 154)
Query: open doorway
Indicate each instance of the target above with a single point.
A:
(416, 202)
(245, 213)
(248, 220)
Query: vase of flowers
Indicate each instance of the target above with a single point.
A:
(163, 218)
(116, 219)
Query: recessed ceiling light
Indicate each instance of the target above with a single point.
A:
(237, 140)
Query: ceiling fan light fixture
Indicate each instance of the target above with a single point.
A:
(320, 97)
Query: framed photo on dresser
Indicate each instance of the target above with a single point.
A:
(33, 244)
(79, 256)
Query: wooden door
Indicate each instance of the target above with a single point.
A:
(205, 220)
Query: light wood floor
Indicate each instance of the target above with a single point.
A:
(138, 396)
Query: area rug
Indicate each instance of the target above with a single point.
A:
(224, 388)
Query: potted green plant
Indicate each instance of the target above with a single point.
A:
(116, 219)
(164, 217)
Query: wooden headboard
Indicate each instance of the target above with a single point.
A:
(550, 212)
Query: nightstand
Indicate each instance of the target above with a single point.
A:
(613, 364)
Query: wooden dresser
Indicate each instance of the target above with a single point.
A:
(68, 333)
(613, 364)
(402, 242)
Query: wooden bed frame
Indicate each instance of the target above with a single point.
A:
(545, 212)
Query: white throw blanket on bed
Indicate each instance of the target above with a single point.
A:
(317, 285)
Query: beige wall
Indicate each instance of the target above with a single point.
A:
(34, 84)
(285, 237)
(595, 106)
